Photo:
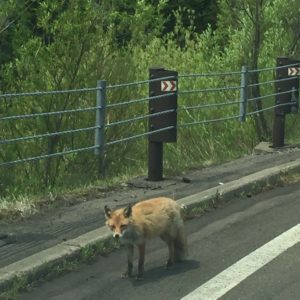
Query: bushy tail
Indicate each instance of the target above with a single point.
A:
(180, 245)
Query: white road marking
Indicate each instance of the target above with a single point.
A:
(239, 271)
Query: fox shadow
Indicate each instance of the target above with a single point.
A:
(157, 273)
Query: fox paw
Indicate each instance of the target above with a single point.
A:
(168, 264)
(126, 275)
(139, 277)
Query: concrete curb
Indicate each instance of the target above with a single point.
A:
(31, 268)
(245, 184)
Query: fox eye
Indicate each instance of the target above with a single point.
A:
(123, 226)
(112, 227)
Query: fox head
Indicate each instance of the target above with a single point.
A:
(118, 220)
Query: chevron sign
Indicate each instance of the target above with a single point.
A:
(168, 86)
(294, 71)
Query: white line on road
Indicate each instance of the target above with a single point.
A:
(239, 271)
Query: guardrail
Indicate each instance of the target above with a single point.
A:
(104, 105)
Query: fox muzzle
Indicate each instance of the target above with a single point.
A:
(116, 236)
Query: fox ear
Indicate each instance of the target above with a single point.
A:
(107, 212)
(127, 211)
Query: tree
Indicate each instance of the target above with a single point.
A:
(59, 46)
(257, 31)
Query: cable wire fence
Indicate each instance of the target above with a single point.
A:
(64, 129)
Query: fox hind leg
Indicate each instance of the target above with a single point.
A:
(142, 248)
(170, 242)
(180, 245)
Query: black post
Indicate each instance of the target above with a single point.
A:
(155, 161)
(278, 130)
(279, 116)
(163, 118)
(284, 98)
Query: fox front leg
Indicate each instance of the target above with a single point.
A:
(128, 272)
(141, 262)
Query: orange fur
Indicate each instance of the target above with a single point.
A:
(158, 217)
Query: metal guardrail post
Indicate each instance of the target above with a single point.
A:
(100, 124)
(284, 101)
(162, 82)
(155, 161)
(295, 100)
(279, 116)
(243, 93)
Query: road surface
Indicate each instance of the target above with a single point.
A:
(248, 249)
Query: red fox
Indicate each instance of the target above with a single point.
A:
(144, 220)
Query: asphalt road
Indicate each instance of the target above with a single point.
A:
(248, 249)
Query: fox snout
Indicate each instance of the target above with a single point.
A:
(116, 231)
(116, 235)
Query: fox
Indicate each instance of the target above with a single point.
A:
(147, 219)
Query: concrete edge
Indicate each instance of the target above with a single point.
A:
(39, 264)
(28, 269)
(243, 185)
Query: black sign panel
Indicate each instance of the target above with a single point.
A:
(287, 79)
(163, 105)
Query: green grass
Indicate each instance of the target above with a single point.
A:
(21, 206)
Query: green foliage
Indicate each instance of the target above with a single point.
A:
(55, 45)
